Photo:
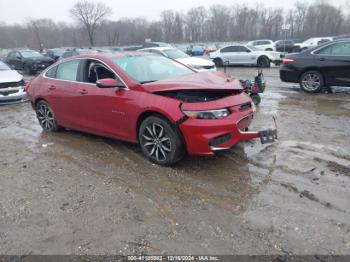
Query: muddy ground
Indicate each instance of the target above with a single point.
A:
(73, 193)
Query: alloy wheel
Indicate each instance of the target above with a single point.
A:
(156, 142)
(45, 117)
(311, 82)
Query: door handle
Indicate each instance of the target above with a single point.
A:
(52, 87)
(83, 91)
(322, 59)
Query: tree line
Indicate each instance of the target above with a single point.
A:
(200, 24)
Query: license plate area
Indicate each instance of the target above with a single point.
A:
(267, 136)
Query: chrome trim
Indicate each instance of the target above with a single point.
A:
(213, 148)
(80, 58)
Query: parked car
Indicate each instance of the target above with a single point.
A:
(11, 85)
(267, 45)
(322, 66)
(199, 64)
(245, 55)
(197, 51)
(166, 107)
(55, 53)
(311, 42)
(78, 51)
(28, 60)
(284, 46)
(155, 44)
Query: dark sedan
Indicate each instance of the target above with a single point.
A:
(322, 66)
(284, 46)
(28, 60)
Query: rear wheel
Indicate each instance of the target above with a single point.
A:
(311, 81)
(46, 117)
(264, 61)
(256, 99)
(160, 141)
(218, 62)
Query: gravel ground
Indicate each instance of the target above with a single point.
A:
(73, 193)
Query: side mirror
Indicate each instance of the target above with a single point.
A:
(108, 83)
(18, 57)
(248, 51)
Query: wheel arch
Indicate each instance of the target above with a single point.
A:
(313, 68)
(154, 112)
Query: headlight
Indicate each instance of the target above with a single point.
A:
(208, 114)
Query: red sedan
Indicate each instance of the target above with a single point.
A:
(166, 107)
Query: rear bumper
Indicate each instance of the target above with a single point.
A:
(204, 137)
(18, 97)
(289, 75)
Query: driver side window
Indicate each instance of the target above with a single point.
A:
(94, 70)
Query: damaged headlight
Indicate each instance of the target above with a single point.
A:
(208, 114)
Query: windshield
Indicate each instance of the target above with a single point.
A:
(28, 54)
(253, 48)
(175, 53)
(151, 68)
(4, 67)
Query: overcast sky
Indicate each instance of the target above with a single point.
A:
(16, 11)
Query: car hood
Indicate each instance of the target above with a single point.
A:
(197, 81)
(195, 61)
(40, 59)
(7, 76)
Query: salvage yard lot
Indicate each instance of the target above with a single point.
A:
(75, 193)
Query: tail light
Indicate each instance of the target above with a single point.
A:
(287, 61)
(26, 86)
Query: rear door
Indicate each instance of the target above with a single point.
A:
(334, 61)
(61, 88)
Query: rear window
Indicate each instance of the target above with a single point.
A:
(51, 73)
(68, 70)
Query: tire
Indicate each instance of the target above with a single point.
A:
(46, 117)
(264, 62)
(256, 99)
(160, 141)
(311, 81)
(27, 69)
(218, 62)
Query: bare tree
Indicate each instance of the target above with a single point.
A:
(90, 15)
(195, 23)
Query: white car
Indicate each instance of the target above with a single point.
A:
(245, 55)
(311, 42)
(11, 85)
(266, 45)
(198, 64)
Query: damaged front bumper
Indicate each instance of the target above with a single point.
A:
(204, 138)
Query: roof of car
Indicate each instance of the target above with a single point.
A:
(110, 55)
(160, 48)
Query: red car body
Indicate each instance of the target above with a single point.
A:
(118, 112)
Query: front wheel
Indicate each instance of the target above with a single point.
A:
(311, 82)
(160, 142)
(46, 117)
